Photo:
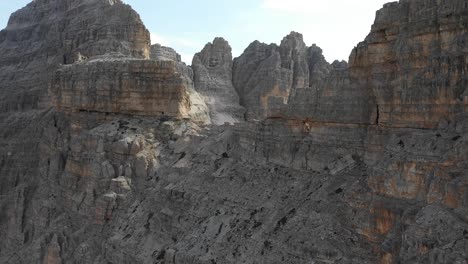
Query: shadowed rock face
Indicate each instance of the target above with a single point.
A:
(333, 173)
(212, 69)
(264, 75)
(332, 98)
(295, 81)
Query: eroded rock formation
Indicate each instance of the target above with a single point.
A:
(414, 62)
(47, 33)
(162, 53)
(109, 84)
(409, 72)
(358, 163)
(213, 80)
(264, 75)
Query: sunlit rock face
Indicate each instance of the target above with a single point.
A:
(363, 162)
(122, 85)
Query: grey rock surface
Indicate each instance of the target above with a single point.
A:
(343, 178)
(212, 69)
(295, 81)
(265, 75)
(109, 84)
(47, 33)
(159, 52)
(199, 110)
(333, 97)
(148, 190)
(414, 63)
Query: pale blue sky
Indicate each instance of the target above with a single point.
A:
(187, 25)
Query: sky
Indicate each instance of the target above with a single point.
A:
(187, 25)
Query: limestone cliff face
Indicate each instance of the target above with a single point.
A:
(46, 33)
(212, 69)
(122, 85)
(295, 81)
(414, 63)
(264, 75)
(409, 72)
(333, 173)
(198, 110)
(332, 98)
(159, 52)
(42, 145)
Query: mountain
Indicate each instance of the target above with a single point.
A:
(114, 151)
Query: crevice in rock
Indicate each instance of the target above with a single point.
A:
(282, 222)
(339, 190)
(377, 117)
(220, 229)
(161, 255)
(147, 225)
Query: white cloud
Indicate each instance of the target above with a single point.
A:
(335, 25)
(187, 58)
(291, 6)
(157, 39)
(332, 9)
(174, 41)
(186, 42)
(184, 46)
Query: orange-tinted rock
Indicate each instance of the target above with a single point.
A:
(414, 63)
(122, 86)
(329, 183)
(52, 254)
(402, 180)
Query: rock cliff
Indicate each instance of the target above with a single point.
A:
(47, 33)
(159, 52)
(264, 75)
(409, 72)
(212, 69)
(414, 63)
(363, 162)
(123, 85)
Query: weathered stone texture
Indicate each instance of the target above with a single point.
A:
(332, 98)
(358, 163)
(47, 33)
(264, 75)
(409, 72)
(199, 110)
(159, 52)
(414, 62)
(122, 85)
(213, 80)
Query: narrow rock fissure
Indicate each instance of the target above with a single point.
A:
(377, 118)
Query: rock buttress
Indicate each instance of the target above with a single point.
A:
(122, 86)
